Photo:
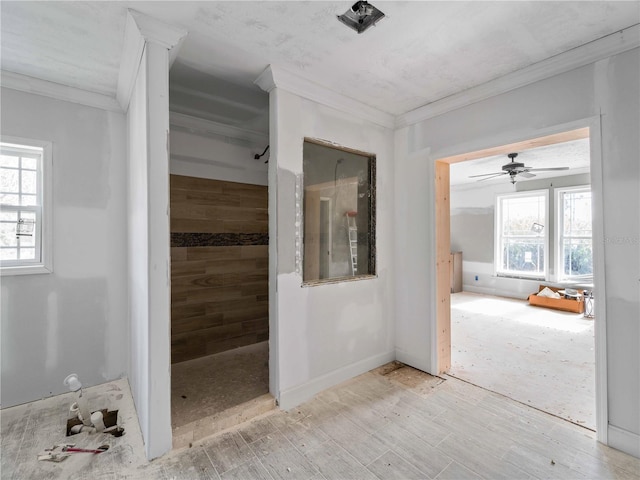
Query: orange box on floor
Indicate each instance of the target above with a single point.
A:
(565, 304)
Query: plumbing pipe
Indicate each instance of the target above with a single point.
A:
(73, 382)
(97, 420)
(82, 428)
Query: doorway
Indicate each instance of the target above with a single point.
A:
(443, 242)
(219, 303)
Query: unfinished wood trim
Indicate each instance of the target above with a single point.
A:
(443, 265)
(553, 139)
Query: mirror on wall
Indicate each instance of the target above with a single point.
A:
(339, 213)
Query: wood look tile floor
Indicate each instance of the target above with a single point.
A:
(391, 423)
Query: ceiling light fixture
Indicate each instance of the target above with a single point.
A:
(361, 16)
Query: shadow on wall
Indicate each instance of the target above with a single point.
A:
(46, 336)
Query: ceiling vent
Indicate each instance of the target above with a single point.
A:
(361, 16)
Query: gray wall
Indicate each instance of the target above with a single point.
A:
(472, 233)
(74, 319)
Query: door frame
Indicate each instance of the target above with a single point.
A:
(441, 324)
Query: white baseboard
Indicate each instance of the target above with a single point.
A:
(293, 397)
(624, 440)
(496, 292)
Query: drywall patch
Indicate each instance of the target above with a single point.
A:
(298, 221)
(287, 229)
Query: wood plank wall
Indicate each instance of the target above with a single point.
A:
(219, 266)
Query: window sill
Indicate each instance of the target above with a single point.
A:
(515, 276)
(38, 269)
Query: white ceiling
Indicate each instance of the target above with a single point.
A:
(421, 52)
(574, 154)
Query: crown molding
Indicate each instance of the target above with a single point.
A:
(275, 77)
(37, 86)
(586, 54)
(140, 29)
(205, 128)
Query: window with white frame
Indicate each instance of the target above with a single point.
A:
(24, 222)
(521, 236)
(575, 237)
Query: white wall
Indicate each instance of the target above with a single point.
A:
(74, 319)
(609, 88)
(326, 333)
(196, 155)
(148, 249)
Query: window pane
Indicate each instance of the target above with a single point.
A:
(27, 253)
(8, 253)
(28, 240)
(523, 255)
(8, 234)
(9, 180)
(29, 200)
(577, 255)
(29, 184)
(9, 199)
(28, 215)
(29, 163)
(339, 194)
(8, 161)
(521, 213)
(577, 214)
(8, 216)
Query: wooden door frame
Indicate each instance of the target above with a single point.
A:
(590, 128)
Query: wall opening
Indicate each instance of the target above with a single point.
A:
(219, 255)
(458, 309)
(339, 213)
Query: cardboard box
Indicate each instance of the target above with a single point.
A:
(565, 304)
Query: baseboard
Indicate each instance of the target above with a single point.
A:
(624, 440)
(496, 292)
(293, 397)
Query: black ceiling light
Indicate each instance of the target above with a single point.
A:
(361, 16)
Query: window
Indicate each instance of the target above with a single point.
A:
(338, 213)
(575, 244)
(521, 234)
(24, 190)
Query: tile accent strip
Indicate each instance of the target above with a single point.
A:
(218, 239)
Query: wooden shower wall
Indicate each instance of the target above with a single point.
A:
(219, 266)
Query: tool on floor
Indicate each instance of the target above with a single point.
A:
(352, 231)
(59, 452)
(73, 449)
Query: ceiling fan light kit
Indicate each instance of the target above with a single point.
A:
(513, 169)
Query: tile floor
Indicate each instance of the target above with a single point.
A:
(539, 356)
(209, 385)
(392, 423)
(217, 392)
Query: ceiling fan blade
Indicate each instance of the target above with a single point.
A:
(526, 174)
(494, 175)
(546, 169)
(486, 174)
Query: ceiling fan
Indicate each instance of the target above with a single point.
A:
(514, 169)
